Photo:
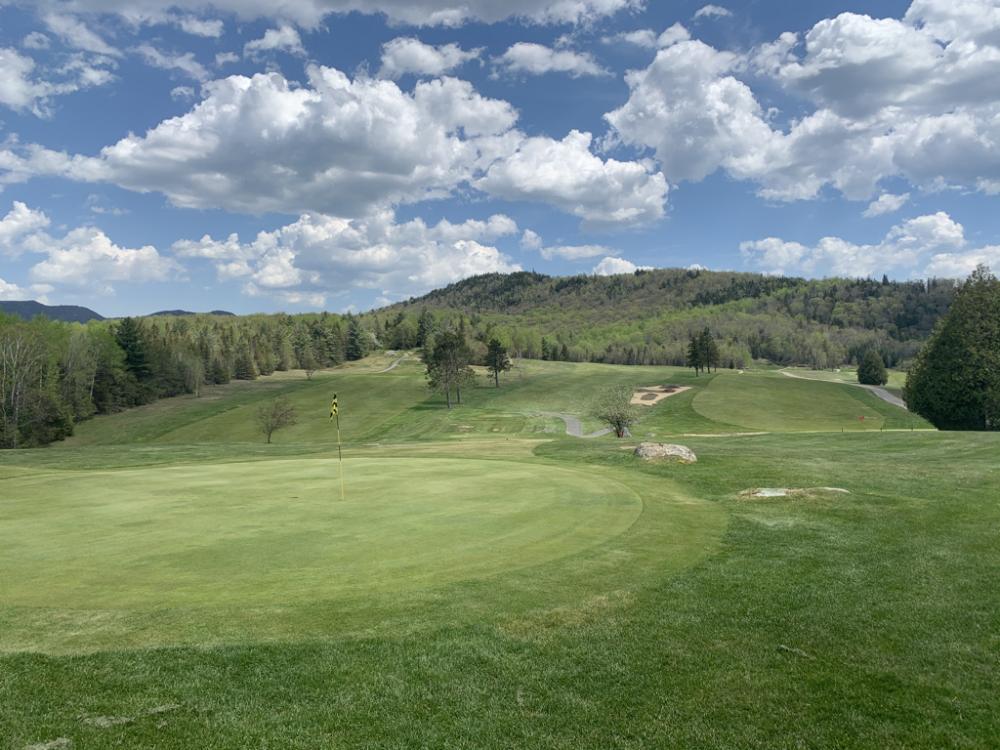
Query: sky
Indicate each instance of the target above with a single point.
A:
(266, 155)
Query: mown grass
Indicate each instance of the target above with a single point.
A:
(869, 619)
(771, 402)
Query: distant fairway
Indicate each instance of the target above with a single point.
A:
(773, 403)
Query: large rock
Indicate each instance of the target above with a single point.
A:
(658, 451)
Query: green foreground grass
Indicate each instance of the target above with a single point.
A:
(168, 582)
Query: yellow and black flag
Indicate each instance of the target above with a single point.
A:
(334, 409)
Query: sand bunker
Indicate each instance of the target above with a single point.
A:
(654, 394)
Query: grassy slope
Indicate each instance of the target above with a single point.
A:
(770, 401)
(851, 621)
(897, 378)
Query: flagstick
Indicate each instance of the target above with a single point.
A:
(340, 454)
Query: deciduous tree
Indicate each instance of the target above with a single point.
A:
(274, 416)
(614, 407)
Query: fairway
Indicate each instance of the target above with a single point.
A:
(277, 532)
(765, 401)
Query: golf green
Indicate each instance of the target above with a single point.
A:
(277, 533)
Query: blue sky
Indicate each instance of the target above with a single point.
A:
(342, 154)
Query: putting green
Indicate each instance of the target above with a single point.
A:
(276, 532)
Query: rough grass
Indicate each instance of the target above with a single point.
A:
(849, 621)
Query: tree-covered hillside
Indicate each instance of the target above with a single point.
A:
(648, 317)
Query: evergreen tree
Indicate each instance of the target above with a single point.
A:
(130, 337)
(708, 350)
(497, 360)
(425, 327)
(244, 367)
(694, 355)
(872, 370)
(356, 347)
(954, 381)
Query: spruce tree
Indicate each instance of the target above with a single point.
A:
(954, 381)
(694, 358)
(872, 370)
(497, 360)
(425, 327)
(131, 338)
(356, 347)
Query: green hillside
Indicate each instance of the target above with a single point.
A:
(396, 406)
(647, 317)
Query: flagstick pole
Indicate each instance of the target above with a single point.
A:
(340, 454)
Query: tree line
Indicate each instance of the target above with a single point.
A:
(54, 374)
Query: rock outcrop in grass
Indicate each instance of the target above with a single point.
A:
(666, 451)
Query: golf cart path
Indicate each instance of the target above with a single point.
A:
(879, 391)
(393, 366)
(574, 426)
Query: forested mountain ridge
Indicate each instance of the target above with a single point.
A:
(647, 317)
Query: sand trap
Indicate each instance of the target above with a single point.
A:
(791, 491)
(654, 394)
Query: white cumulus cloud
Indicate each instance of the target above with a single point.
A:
(284, 39)
(87, 258)
(84, 257)
(712, 11)
(529, 58)
(317, 256)
(887, 203)
(405, 55)
(930, 245)
(568, 175)
(917, 98)
(348, 147)
(616, 266)
(24, 86)
(20, 222)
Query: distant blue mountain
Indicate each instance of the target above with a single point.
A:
(29, 309)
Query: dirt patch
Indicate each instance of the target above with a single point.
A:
(801, 492)
(654, 394)
(106, 722)
(60, 743)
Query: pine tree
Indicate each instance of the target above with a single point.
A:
(694, 355)
(709, 350)
(954, 381)
(497, 360)
(425, 327)
(356, 347)
(131, 338)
